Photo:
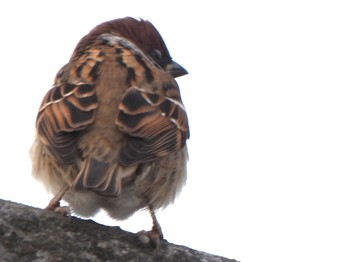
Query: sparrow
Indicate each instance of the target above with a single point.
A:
(111, 132)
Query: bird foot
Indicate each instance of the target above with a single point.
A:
(151, 238)
(57, 208)
(54, 204)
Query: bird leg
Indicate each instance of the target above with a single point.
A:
(154, 236)
(54, 204)
(156, 229)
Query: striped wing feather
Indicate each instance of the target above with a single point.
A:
(65, 111)
(156, 126)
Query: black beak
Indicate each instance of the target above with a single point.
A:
(175, 69)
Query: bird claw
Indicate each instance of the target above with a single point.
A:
(150, 238)
(54, 204)
(55, 207)
(64, 211)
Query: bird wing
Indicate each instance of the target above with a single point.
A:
(69, 107)
(156, 125)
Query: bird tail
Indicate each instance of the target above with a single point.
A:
(102, 177)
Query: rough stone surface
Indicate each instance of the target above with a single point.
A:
(32, 234)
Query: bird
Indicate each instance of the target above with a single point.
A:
(111, 132)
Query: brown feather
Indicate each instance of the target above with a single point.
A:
(141, 33)
(114, 123)
(153, 129)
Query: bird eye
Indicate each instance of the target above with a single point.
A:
(156, 55)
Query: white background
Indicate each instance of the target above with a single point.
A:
(268, 101)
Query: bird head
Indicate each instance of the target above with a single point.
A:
(144, 35)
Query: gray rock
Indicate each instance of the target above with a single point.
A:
(32, 234)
